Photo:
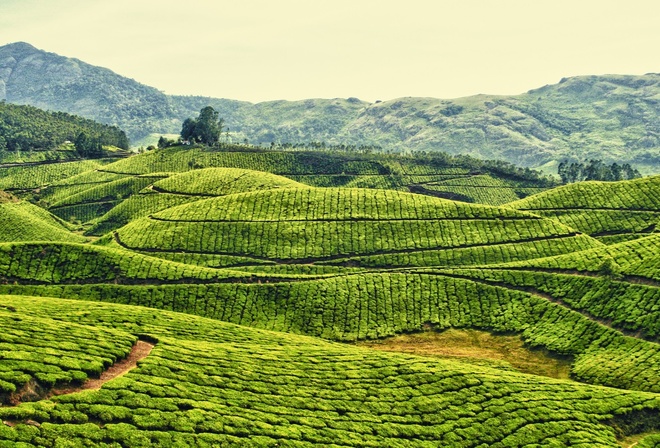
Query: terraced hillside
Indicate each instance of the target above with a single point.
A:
(208, 383)
(482, 189)
(74, 263)
(188, 187)
(253, 286)
(22, 221)
(332, 225)
(120, 189)
(635, 258)
(21, 178)
(609, 211)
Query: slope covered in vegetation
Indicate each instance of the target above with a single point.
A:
(250, 283)
(73, 263)
(49, 130)
(211, 383)
(613, 211)
(150, 182)
(34, 177)
(637, 257)
(22, 221)
(221, 182)
(316, 225)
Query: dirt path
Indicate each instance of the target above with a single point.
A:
(140, 351)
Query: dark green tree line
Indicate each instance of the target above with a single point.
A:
(25, 128)
(595, 170)
(88, 146)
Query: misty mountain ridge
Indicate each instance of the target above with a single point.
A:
(610, 117)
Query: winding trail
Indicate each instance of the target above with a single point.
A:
(140, 351)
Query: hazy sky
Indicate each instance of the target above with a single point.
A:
(259, 50)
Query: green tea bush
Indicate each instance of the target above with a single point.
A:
(213, 383)
(23, 221)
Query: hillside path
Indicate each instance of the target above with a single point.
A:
(140, 351)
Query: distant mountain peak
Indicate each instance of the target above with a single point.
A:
(608, 117)
(50, 81)
(19, 46)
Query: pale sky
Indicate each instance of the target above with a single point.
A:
(259, 50)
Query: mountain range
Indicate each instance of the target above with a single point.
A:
(612, 117)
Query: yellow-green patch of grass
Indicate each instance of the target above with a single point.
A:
(477, 347)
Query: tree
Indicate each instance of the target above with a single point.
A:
(574, 172)
(206, 129)
(595, 170)
(81, 143)
(87, 146)
(562, 170)
(188, 129)
(630, 172)
(163, 142)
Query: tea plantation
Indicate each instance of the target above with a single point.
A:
(611, 211)
(86, 196)
(207, 383)
(23, 221)
(254, 272)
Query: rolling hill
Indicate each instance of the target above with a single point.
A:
(208, 383)
(610, 211)
(234, 298)
(106, 196)
(22, 221)
(609, 117)
(339, 225)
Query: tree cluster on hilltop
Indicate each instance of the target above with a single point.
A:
(595, 170)
(205, 129)
(26, 128)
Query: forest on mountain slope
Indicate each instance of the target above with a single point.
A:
(27, 128)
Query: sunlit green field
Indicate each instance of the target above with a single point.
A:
(306, 299)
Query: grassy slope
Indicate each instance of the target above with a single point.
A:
(485, 189)
(39, 176)
(22, 221)
(212, 383)
(359, 306)
(639, 257)
(343, 207)
(637, 194)
(222, 181)
(603, 209)
(560, 311)
(331, 224)
(90, 194)
(71, 263)
(187, 187)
